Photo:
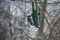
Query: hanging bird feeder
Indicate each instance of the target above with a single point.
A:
(35, 12)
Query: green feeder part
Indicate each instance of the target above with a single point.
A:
(35, 12)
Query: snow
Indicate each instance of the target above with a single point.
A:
(33, 30)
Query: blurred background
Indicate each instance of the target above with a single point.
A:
(14, 24)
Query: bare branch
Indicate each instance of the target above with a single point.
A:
(40, 2)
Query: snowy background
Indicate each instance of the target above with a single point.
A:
(14, 19)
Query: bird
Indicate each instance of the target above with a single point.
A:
(30, 21)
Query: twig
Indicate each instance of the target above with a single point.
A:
(40, 2)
